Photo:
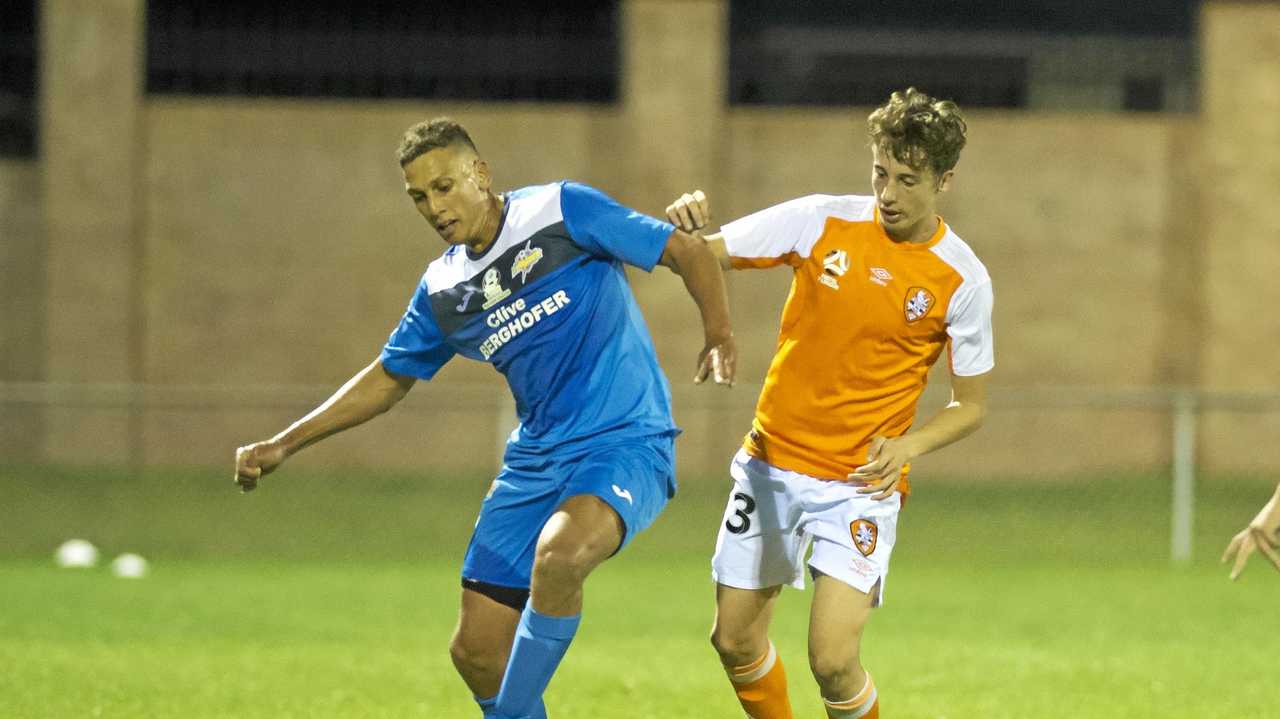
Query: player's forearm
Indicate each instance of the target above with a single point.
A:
(365, 396)
(957, 421)
(700, 270)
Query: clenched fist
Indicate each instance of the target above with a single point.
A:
(690, 212)
(255, 460)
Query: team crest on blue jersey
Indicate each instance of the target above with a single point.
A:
(492, 287)
(525, 260)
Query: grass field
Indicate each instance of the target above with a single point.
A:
(334, 596)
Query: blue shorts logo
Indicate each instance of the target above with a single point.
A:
(624, 493)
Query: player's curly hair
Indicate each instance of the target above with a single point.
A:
(430, 135)
(919, 130)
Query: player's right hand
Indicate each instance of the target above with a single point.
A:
(719, 361)
(256, 460)
(690, 211)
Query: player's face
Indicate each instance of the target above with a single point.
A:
(907, 197)
(450, 188)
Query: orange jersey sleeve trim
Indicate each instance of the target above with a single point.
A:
(761, 263)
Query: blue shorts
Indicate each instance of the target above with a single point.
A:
(635, 478)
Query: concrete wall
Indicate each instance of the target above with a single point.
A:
(1240, 179)
(90, 102)
(22, 303)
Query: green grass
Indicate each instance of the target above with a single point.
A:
(334, 596)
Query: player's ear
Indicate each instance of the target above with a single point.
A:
(481, 171)
(944, 182)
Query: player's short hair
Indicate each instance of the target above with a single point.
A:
(431, 135)
(919, 130)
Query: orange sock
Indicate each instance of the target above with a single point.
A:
(762, 687)
(865, 705)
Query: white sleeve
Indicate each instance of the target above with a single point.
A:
(782, 234)
(969, 326)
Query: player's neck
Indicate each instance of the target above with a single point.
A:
(922, 232)
(489, 226)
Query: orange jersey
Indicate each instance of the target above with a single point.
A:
(865, 320)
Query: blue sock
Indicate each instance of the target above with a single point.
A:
(490, 708)
(541, 642)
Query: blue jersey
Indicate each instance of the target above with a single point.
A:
(548, 304)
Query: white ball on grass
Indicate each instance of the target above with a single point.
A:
(76, 553)
(129, 566)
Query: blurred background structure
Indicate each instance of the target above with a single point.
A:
(203, 230)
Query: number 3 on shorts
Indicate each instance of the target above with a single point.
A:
(740, 514)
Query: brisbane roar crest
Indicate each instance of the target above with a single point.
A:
(919, 302)
(865, 534)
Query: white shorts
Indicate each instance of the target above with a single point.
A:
(773, 515)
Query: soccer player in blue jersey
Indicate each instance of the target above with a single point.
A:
(533, 283)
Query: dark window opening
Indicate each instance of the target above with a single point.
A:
(1144, 94)
(867, 80)
(18, 121)
(445, 49)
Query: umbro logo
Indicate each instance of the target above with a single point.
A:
(624, 493)
(880, 276)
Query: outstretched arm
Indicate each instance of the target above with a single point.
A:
(1262, 534)
(959, 419)
(689, 257)
(371, 392)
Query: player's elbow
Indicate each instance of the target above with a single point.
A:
(391, 386)
(974, 413)
(682, 251)
(978, 415)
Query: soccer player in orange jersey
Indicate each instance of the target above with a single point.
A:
(882, 286)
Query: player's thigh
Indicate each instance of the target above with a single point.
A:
(582, 532)
(612, 495)
(757, 546)
(838, 615)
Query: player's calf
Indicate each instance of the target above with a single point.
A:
(482, 640)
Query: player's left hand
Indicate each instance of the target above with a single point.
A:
(1262, 534)
(718, 360)
(883, 470)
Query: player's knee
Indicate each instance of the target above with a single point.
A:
(473, 659)
(561, 564)
(833, 667)
(736, 648)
